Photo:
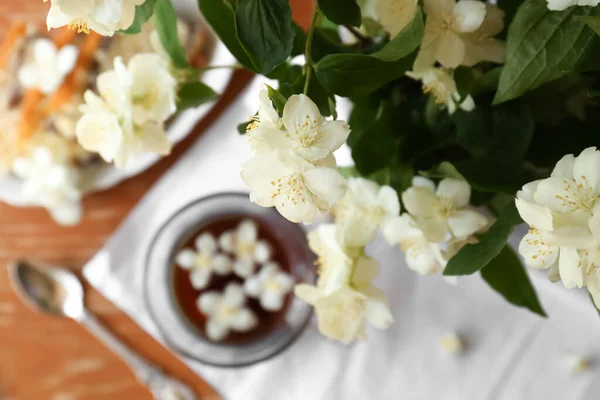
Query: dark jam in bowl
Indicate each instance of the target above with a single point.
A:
(187, 295)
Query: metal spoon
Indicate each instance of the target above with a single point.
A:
(59, 292)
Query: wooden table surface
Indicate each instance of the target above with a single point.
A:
(44, 357)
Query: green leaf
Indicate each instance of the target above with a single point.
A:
(465, 82)
(265, 30)
(473, 257)
(485, 175)
(442, 170)
(317, 93)
(143, 12)
(593, 93)
(194, 94)
(506, 275)
(541, 46)
(341, 12)
(364, 112)
(221, 17)
(591, 21)
(165, 22)
(376, 148)
(508, 131)
(354, 75)
(408, 39)
(299, 40)
(277, 98)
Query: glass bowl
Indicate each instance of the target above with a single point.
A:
(180, 333)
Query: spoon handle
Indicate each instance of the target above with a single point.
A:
(161, 385)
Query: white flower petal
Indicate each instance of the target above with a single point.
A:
(535, 214)
(420, 201)
(262, 251)
(536, 252)
(200, 278)
(253, 286)
(455, 189)
(570, 236)
(468, 15)
(272, 301)
(326, 184)
(366, 269)
(564, 167)
(388, 198)
(209, 302)
(399, 229)
(308, 293)
(332, 135)
(587, 168)
(299, 110)
(221, 264)
(569, 266)
(186, 259)
(464, 223)
(378, 314)
(233, 295)
(226, 241)
(206, 244)
(266, 111)
(247, 232)
(244, 268)
(435, 229)
(216, 330)
(420, 181)
(244, 320)
(266, 138)
(423, 258)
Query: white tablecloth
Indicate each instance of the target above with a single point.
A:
(512, 354)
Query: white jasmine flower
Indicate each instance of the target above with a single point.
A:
(270, 286)
(45, 67)
(153, 88)
(460, 33)
(344, 296)
(126, 120)
(297, 188)
(562, 212)
(443, 211)
(226, 312)
(422, 256)
(452, 344)
(394, 15)
(101, 16)
(304, 130)
(364, 208)
(203, 261)
(559, 5)
(243, 243)
(576, 362)
(570, 194)
(50, 184)
(441, 85)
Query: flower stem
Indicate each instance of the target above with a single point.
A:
(363, 40)
(209, 67)
(308, 48)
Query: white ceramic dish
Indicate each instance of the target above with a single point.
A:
(101, 177)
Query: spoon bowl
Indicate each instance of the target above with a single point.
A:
(48, 289)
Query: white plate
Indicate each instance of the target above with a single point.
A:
(101, 177)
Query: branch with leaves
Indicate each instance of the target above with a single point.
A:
(461, 111)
